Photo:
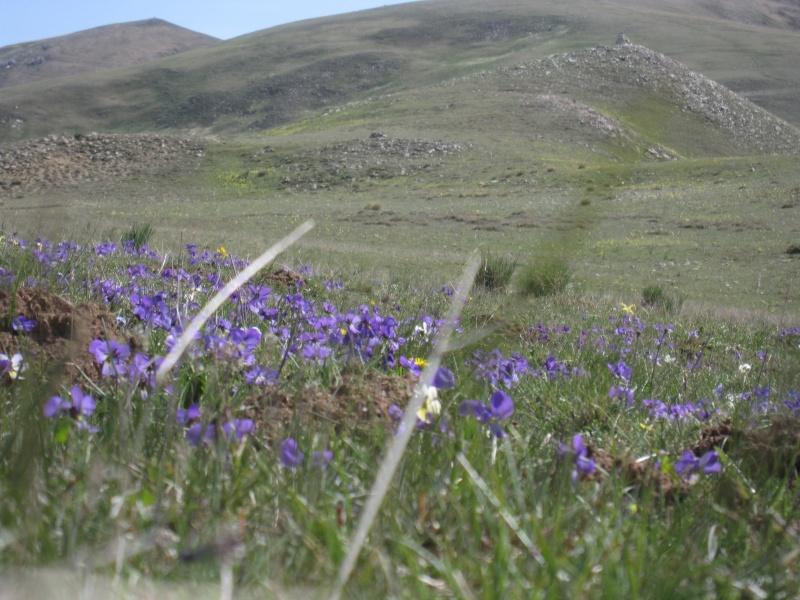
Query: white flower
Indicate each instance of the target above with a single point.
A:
(431, 407)
(669, 359)
(745, 368)
(13, 366)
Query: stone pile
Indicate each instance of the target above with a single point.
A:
(60, 160)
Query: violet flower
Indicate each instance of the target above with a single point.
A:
(690, 464)
(500, 408)
(82, 405)
(291, 457)
(322, 459)
(21, 323)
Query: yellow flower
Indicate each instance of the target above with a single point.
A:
(420, 362)
(628, 308)
(221, 250)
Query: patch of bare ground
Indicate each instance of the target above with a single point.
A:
(57, 161)
(771, 451)
(638, 476)
(62, 334)
(733, 225)
(357, 400)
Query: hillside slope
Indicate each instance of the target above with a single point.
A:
(279, 76)
(98, 49)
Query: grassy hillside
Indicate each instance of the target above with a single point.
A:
(275, 76)
(98, 49)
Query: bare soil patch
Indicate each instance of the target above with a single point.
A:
(359, 400)
(62, 334)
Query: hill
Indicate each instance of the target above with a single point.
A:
(276, 76)
(98, 49)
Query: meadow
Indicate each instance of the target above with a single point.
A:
(610, 409)
(570, 445)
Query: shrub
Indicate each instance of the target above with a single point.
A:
(546, 278)
(654, 296)
(495, 272)
(139, 234)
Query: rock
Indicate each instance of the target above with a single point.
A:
(622, 40)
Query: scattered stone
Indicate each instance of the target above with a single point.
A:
(56, 161)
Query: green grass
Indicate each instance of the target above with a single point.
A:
(467, 516)
(546, 277)
(495, 272)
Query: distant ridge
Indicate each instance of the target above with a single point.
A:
(97, 49)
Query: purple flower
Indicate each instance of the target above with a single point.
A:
(395, 413)
(412, 365)
(710, 463)
(621, 371)
(794, 403)
(82, 405)
(500, 407)
(197, 433)
(689, 463)
(291, 457)
(55, 406)
(260, 376)
(20, 323)
(239, 428)
(623, 392)
(188, 415)
(322, 459)
(445, 380)
(583, 462)
(498, 370)
(112, 355)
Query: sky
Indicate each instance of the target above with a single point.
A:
(22, 21)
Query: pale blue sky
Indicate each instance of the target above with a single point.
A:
(22, 21)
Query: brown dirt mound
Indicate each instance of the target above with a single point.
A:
(773, 450)
(638, 476)
(62, 333)
(359, 399)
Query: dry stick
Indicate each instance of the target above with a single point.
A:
(406, 428)
(234, 284)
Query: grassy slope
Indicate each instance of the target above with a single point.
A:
(282, 72)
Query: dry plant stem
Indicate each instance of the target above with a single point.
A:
(405, 430)
(234, 284)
